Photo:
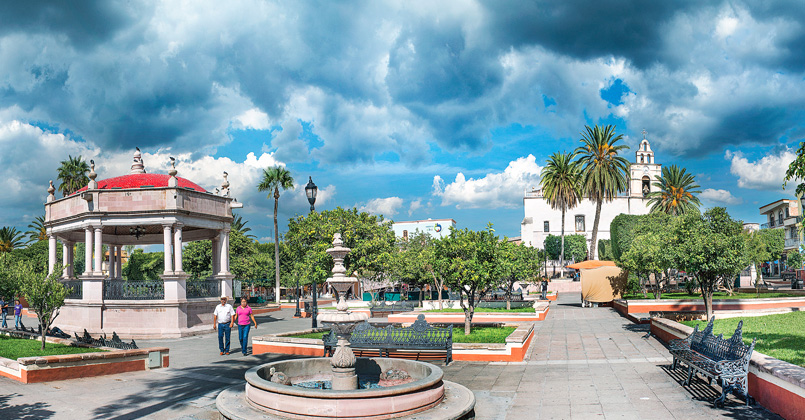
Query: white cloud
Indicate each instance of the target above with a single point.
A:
(384, 206)
(720, 196)
(767, 173)
(415, 205)
(495, 190)
(254, 119)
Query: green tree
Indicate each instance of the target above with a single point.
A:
(575, 247)
(45, 294)
(793, 259)
(676, 192)
(516, 263)
(711, 247)
(605, 250)
(468, 259)
(73, 175)
(36, 230)
(603, 171)
(796, 170)
(11, 238)
(369, 237)
(142, 266)
(560, 181)
(621, 232)
(274, 179)
(9, 286)
(243, 263)
(761, 246)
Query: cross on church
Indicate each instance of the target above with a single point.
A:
(644, 134)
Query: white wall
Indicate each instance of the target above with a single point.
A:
(437, 228)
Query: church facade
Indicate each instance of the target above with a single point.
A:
(541, 220)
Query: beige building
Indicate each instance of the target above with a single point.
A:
(783, 214)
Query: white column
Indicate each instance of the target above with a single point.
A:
(177, 248)
(119, 262)
(225, 252)
(168, 242)
(98, 244)
(112, 262)
(88, 250)
(51, 253)
(69, 259)
(216, 252)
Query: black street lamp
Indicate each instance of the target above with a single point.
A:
(310, 190)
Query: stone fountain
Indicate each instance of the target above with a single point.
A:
(282, 389)
(341, 321)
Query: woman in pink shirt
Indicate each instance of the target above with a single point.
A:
(245, 318)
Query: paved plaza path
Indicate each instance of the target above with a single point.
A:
(584, 363)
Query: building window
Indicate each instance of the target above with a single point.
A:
(780, 218)
(579, 223)
(786, 213)
(646, 186)
(405, 234)
(546, 227)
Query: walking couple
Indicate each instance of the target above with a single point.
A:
(224, 318)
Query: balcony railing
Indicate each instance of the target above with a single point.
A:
(74, 289)
(767, 225)
(203, 288)
(792, 243)
(134, 290)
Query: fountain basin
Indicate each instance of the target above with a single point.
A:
(423, 395)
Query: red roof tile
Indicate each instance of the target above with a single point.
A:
(143, 180)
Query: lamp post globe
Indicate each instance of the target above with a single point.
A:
(310, 191)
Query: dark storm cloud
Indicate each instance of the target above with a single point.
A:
(85, 23)
(583, 29)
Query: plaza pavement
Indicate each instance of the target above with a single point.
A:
(584, 363)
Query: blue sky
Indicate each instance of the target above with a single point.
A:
(410, 109)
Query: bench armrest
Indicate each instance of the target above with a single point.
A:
(679, 344)
(738, 367)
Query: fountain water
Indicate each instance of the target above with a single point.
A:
(400, 389)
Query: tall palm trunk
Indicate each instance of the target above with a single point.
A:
(594, 243)
(276, 249)
(562, 249)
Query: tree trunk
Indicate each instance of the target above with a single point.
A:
(44, 332)
(562, 248)
(594, 243)
(438, 286)
(276, 249)
(707, 294)
(509, 297)
(469, 310)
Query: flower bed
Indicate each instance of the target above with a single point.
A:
(540, 310)
(638, 310)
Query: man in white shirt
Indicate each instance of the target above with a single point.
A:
(222, 320)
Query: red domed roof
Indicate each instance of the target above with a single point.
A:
(143, 180)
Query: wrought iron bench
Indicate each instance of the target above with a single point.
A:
(419, 336)
(726, 361)
(384, 310)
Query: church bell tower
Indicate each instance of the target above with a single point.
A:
(644, 171)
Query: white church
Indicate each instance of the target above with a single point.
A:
(541, 220)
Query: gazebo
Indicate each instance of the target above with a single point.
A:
(139, 209)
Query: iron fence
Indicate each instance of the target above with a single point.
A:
(134, 290)
(75, 289)
(203, 288)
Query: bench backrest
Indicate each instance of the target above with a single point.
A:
(420, 334)
(717, 348)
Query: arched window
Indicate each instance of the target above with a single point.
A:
(646, 188)
(405, 234)
(579, 223)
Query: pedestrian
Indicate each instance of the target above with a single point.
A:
(223, 321)
(17, 314)
(3, 312)
(544, 289)
(245, 317)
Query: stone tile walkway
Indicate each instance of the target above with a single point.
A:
(583, 363)
(592, 363)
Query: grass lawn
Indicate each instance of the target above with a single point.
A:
(781, 336)
(14, 348)
(716, 296)
(478, 335)
(528, 309)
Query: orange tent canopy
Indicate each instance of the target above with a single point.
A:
(591, 264)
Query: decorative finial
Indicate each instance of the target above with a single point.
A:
(51, 192)
(172, 181)
(137, 167)
(644, 133)
(337, 240)
(92, 175)
(225, 186)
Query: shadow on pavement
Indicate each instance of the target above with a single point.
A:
(699, 390)
(33, 411)
(168, 390)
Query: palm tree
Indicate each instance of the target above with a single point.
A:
(37, 231)
(560, 187)
(73, 175)
(238, 224)
(274, 178)
(11, 238)
(603, 172)
(676, 192)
